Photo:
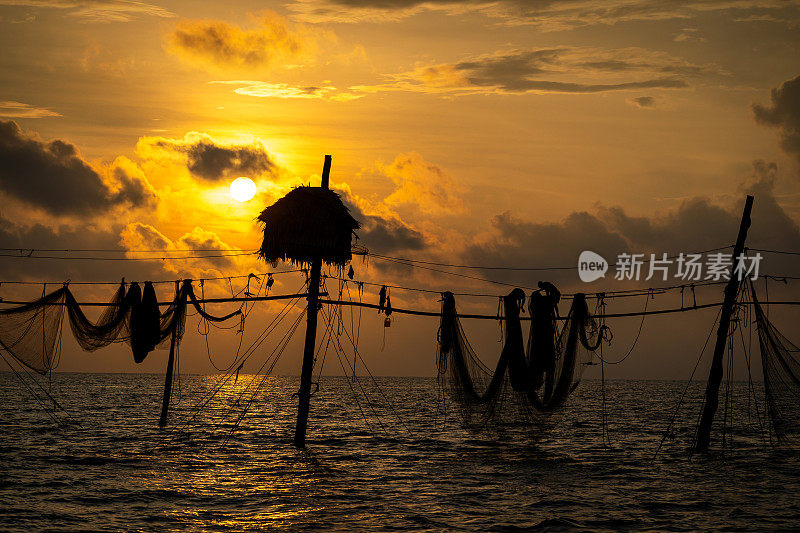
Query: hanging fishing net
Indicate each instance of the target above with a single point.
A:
(780, 362)
(529, 383)
(32, 332)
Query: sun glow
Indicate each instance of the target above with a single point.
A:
(243, 189)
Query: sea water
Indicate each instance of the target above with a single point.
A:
(382, 455)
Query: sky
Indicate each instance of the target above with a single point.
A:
(493, 133)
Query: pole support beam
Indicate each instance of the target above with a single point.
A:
(728, 305)
(304, 394)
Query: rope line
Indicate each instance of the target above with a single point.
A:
(526, 269)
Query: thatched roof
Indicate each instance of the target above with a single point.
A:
(308, 222)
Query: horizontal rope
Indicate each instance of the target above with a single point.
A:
(167, 304)
(495, 317)
(781, 252)
(521, 269)
(626, 293)
(117, 250)
(117, 282)
(95, 258)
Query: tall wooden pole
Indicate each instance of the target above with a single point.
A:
(715, 374)
(162, 422)
(304, 394)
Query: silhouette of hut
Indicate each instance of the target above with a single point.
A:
(308, 222)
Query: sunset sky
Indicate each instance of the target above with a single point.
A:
(498, 133)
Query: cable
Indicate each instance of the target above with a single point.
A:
(686, 388)
(96, 258)
(522, 269)
(115, 250)
(781, 252)
(624, 293)
(217, 278)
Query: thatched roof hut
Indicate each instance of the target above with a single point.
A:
(308, 222)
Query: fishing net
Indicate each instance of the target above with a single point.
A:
(31, 332)
(527, 385)
(780, 362)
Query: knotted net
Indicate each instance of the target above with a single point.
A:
(526, 385)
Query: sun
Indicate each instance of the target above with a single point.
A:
(243, 189)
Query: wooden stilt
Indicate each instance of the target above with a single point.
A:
(715, 374)
(162, 422)
(304, 394)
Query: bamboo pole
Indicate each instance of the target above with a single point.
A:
(715, 374)
(162, 421)
(304, 394)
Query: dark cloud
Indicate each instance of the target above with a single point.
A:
(643, 101)
(384, 234)
(211, 161)
(224, 46)
(63, 237)
(544, 70)
(676, 231)
(511, 65)
(53, 176)
(517, 242)
(696, 225)
(97, 10)
(783, 113)
(513, 72)
(566, 87)
(620, 65)
(547, 14)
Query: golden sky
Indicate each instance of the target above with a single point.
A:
(504, 132)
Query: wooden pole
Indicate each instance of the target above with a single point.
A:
(162, 422)
(304, 394)
(715, 374)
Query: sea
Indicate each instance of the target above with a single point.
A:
(83, 452)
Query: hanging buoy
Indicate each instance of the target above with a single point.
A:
(387, 322)
(388, 306)
(351, 272)
(270, 281)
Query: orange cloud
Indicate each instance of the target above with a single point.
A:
(422, 184)
(216, 254)
(221, 46)
(10, 109)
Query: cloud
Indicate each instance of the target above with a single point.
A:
(139, 236)
(516, 242)
(783, 113)
(11, 109)
(643, 102)
(210, 159)
(222, 46)
(62, 237)
(53, 176)
(557, 70)
(382, 230)
(547, 15)
(697, 224)
(423, 185)
(282, 90)
(97, 10)
(689, 35)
